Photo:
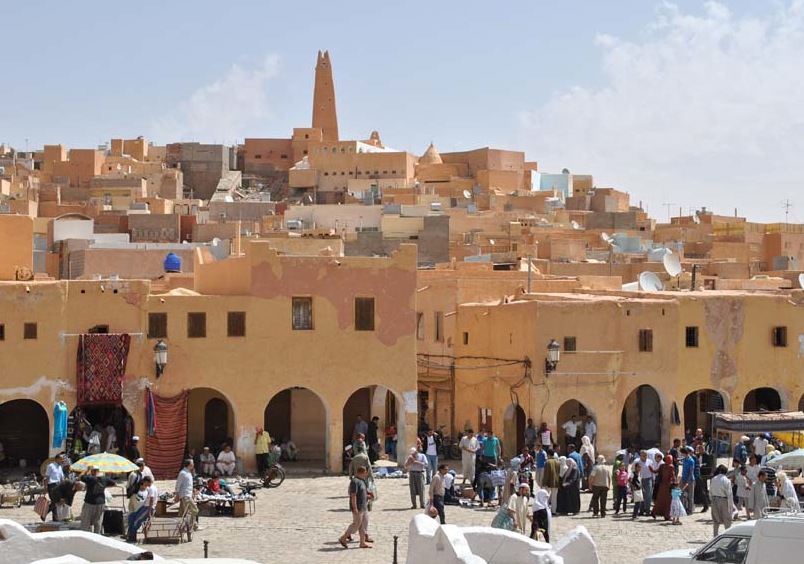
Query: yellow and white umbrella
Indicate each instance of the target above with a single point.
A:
(105, 462)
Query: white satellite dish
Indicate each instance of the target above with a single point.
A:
(649, 282)
(467, 194)
(575, 224)
(672, 264)
(492, 242)
(216, 242)
(801, 280)
(696, 219)
(608, 239)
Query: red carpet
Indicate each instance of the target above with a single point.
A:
(165, 448)
(101, 367)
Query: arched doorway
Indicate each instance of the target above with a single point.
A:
(564, 414)
(801, 404)
(513, 430)
(642, 418)
(299, 414)
(375, 401)
(210, 421)
(113, 422)
(24, 432)
(762, 399)
(697, 406)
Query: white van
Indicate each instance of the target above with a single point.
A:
(775, 538)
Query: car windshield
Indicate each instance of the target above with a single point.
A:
(724, 550)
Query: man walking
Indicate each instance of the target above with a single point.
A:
(722, 503)
(184, 493)
(358, 502)
(437, 491)
(491, 449)
(262, 446)
(94, 499)
(415, 466)
(431, 450)
(468, 446)
(545, 436)
(647, 477)
(590, 429)
(540, 460)
(688, 480)
(54, 476)
(600, 480)
(361, 428)
(552, 478)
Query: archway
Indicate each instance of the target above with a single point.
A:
(375, 401)
(299, 414)
(801, 404)
(513, 430)
(762, 399)
(697, 406)
(210, 420)
(564, 414)
(114, 423)
(24, 432)
(642, 418)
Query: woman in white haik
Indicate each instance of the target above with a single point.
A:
(787, 491)
(542, 518)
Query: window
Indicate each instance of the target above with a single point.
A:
(420, 326)
(29, 331)
(196, 325)
(157, 325)
(725, 549)
(691, 337)
(257, 156)
(465, 337)
(570, 344)
(302, 314)
(646, 340)
(364, 314)
(236, 324)
(439, 326)
(779, 336)
(2, 332)
(283, 156)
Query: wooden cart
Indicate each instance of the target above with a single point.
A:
(169, 531)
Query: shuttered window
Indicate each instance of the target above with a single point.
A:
(302, 314)
(364, 314)
(196, 325)
(157, 325)
(646, 340)
(236, 324)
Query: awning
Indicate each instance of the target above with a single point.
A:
(760, 422)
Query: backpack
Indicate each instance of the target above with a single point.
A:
(133, 484)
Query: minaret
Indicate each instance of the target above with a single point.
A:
(325, 116)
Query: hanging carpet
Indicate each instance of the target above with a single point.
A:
(101, 367)
(165, 447)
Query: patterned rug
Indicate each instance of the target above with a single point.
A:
(101, 367)
(165, 448)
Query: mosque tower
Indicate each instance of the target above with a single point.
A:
(325, 116)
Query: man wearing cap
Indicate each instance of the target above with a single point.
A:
(469, 446)
(207, 461)
(519, 508)
(600, 480)
(415, 466)
(133, 452)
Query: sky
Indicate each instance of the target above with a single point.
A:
(682, 104)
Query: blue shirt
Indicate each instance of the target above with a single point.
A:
(541, 458)
(688, 469)
(490, 446)
(579, 461)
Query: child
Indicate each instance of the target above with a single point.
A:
(677, 510)
(636, 490)
(743, 484)
(621, 477)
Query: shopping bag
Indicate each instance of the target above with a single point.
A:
(41, 506)
(62, 512)
(503, 519)
(638, 497)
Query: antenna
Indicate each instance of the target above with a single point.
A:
(575, 224)
(668, 205)
(786, 205)
(649, 282)
(467, 194)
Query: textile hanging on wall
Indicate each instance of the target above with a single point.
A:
(165, 448)
(101, 366)
(59, 423)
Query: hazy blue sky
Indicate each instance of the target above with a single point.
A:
(685, 103)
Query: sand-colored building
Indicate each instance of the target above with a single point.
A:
(299, 344)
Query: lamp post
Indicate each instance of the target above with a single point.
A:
(160, 356)
(553, 356)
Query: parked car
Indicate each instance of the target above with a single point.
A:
(775, 538)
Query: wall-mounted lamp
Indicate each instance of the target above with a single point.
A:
(553, 356)
(160, 357)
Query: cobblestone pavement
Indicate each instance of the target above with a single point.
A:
(302, 519)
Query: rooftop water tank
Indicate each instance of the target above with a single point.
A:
(172, 263)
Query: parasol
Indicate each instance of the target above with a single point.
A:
(792, 459)
(105, 462)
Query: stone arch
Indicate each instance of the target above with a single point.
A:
(514, 421)
(762, 399)
(801, 403)
(697, 406)
(564, 414)
(641, 419)
(300, 414)
(24, 432)
(210, 420)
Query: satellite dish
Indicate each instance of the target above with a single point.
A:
(672, 264)
(801, 280)
(696, 219)
(575, 224)
(608, 239)
(467, 194)
(543, 220)
(492, 242)
(216, 242)
(649, 282)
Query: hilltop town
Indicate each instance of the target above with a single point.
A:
(296, 283)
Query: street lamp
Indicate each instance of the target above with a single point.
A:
(160, 357)
(553, 356)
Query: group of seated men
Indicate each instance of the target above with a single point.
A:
(225, 463)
